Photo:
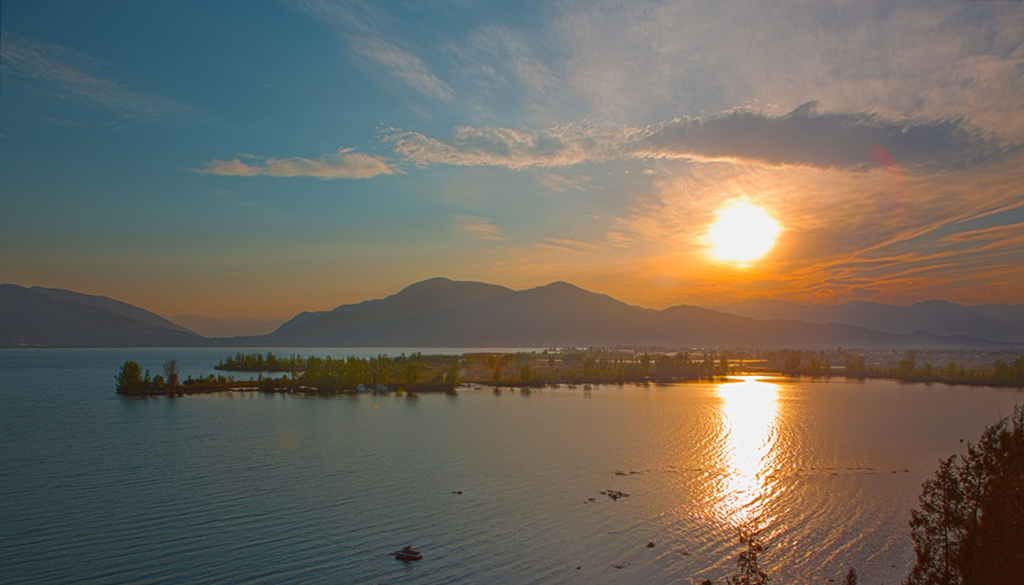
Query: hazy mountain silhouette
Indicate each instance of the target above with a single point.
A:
(364, 320)
(41, 316)
(225, 327)
(112, 305)
(996, 322)
(445, 313)
(1009, 314)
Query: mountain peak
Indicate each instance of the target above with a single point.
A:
(936, 303)
(430, 284)
(561, 285)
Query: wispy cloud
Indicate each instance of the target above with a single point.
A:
(365, 29)
(802, 137)
(999, 233)
(559, 146)
(846, 234)
(344, 164)
(561, 183)
(568, 244)
(646, 60)
(479, 228)
(62, 72)
(501, 69)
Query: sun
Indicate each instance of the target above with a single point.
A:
(742, 233)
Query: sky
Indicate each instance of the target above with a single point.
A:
(259, 158)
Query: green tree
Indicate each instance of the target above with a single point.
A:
(792, 364)
(171, 372)
(129, 379)
(451, 375)
(905, 367)
(969, 527)
(525, 374)
(856, 366)
(938, 527)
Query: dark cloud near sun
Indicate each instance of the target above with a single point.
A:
(803, 137)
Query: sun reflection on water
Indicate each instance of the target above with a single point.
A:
(746, 454)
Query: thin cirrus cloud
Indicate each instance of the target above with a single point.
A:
(62, 73)
(646, 60)
(559, 146)
(803, 137)
(562, 184)
(366, 31)
(478, 228)
(343, 164)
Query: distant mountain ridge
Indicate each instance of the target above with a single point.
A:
(225, 327)
(55, 317)
(434, 294)
(440, 312)
(444, 313)
(995, 322)
(112, 305)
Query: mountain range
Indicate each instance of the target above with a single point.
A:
(40, 316)
(444, 313)
(225, 327)
(995, 322)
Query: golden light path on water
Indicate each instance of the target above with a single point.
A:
(747, 452)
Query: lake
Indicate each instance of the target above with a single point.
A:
(282, 489)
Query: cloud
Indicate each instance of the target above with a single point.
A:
(365, 29)
(561, 183)
(642, 61)
(568, 244)
(559, 146)
(501, 71)
(932, 235)
(847, 281)
(479, 228)
(61, 72)
(618, 239)
(344, 164)
(802, 137)
(988, 234)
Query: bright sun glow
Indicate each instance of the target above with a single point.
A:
(743, 232)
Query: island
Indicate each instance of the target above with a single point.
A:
(419, 373)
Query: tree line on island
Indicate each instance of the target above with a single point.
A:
(412, 374)
(592, 366)
(431, 373)
(443, 373)
(131, 381)
(1003, 372)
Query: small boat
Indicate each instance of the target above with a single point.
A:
(407, 554)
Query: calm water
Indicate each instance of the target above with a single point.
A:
(274, 489)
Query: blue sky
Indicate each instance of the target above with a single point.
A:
(260, 158)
